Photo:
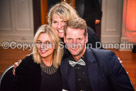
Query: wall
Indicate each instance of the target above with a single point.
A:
(16, 21)
(129, 21)
(119, 23)
(111, 21)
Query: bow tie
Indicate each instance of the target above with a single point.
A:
(80, 62)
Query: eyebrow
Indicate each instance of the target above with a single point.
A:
(44, 41)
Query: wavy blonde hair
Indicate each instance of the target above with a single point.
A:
(64, 10)
(58, 52)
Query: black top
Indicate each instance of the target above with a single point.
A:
(28, 77)
(81, 78)
(51, 82)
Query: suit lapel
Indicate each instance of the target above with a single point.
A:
(93, 71)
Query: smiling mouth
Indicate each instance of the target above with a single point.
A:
(73, 49)
(43, 51)
(61, 31)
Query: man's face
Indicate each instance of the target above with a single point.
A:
(75, 40)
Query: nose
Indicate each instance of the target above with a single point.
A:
(60, 25)
(74, 42)
(42, 46)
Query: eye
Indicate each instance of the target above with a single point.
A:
(54, 21)
(65, 22)
(47, 42)
(69, 38)
(38, 43)
(79, 38)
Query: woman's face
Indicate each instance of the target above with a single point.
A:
(58, 25)
(44, 45)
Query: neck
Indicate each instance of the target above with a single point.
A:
(48, 60)
(79, 56)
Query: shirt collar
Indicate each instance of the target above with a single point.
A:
(84, 57)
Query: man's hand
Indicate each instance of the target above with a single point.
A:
(16, 64)
(97, 21)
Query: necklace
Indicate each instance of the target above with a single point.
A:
(49, 70)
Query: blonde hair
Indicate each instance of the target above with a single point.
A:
(64, 10)
(58, 52)
(77, 23)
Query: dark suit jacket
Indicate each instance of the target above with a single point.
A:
(92, 11)
(104, 71)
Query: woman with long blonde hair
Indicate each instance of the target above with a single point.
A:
(40, 71)
(58, 16)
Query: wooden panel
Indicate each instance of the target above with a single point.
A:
(43, 11)
(36, 14)
(9, 56)
(71, 2)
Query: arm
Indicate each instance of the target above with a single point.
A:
(21, 79)
(16, 64)
(118, 77)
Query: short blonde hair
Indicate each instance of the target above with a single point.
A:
(58, 52)
(77, 23)
(64, 10)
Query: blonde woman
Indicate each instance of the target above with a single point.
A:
(40, 71)
(58, 17)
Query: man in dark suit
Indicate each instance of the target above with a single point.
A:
(90, 69)
(90, 10)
